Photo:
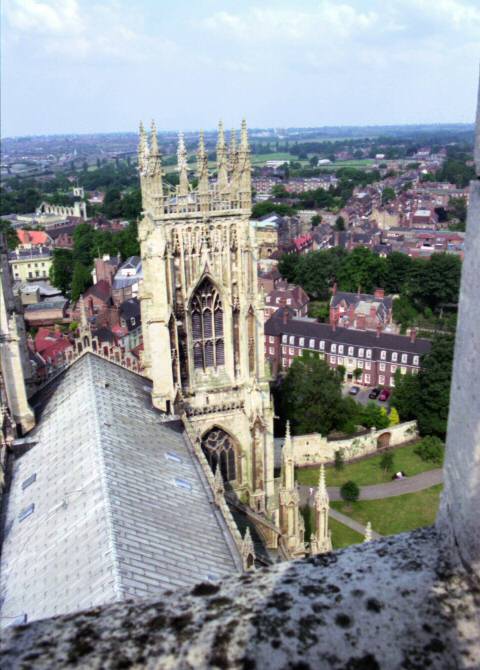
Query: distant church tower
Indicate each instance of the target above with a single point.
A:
(202, 312)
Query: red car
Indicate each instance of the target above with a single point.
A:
(384, 394)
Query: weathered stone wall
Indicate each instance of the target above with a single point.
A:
(313, 449)
(459, 512)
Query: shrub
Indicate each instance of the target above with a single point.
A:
(387, 462)
(339, 460)
(394, 417)
(430, 449)
(350, 491)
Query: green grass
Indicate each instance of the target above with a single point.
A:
(274, 156)
(395, 515)
(367, 471)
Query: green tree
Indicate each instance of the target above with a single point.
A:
(388, 194)
(404, 312)
(350, 492)
(406, 395)
(316, 220)
(81, 280)
(112, 205)
(434, 381)
(339, 460)
(340, 223)
(311, 397)
(398, 267)
(287, 266)
(10, 233)
(394, 418)
(278, 191)
(269, 207)
(361, 268)
(430, 449)
(371, 415)
(357, 373)
(387, 462)
(341, 372)
(62, 269)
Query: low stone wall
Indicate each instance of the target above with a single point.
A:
(313, 449)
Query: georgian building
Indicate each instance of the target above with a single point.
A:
(370, 358)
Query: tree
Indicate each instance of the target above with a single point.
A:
(357, 373)
(434, 381)
(10, 233)
(311, 397)
(269, 207)
(388, 194)
(361, 268)
(278, 191)
(406, 395)
(62, 269)
(315, 220)
(341, 371)
(394, 417)
(112, 206)
(350, 492)
(339, 460)
(340, 223)
(372, 416)
(397, 270)
(81, 280)
(430, 449)
(387, 462)
(287, 266)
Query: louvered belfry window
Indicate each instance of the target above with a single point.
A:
(207, 327)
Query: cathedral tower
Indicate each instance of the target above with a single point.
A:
(202, 312)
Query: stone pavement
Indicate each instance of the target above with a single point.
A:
(391, 489)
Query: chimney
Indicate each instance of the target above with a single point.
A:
(334, 323)
(334, 288)
(286, 315)
(379, 330)
(413, 334)
(379, 293)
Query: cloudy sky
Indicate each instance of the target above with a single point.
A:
(101, 65)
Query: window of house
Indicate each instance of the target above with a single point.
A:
(367, 379)
(369, 353)
(284, 350)
(322, 344)
(291, 351)
(284, 338)
(312, 344)
(382, 367)
(381, 379)
(350, 351)
(277, 301)
(383, 355)
(30, 276)
(361, 352)
(360, 364)
(394, 356)
(340, 360)
(301, 342)
(284, 362)
(416, 360)
(132, 321)
(271, 339)
(333, 348)
(332, 359)
(404, 370)
(368, 365)
(340, 348)
(404, 358)
(392, 381)
(292, 339)
(393, 369)
(289, 302)
(271, 350)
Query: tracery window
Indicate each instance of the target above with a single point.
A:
(207, 327)
(219, 450)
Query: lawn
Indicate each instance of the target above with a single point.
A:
(395, 515)
(368, 471)
(342, 536)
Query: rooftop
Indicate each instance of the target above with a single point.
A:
(122, 511)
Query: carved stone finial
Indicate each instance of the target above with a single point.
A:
(222, 167)
(321, 497)
(182, 160)
(154, 150)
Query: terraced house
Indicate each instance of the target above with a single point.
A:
(370, 358)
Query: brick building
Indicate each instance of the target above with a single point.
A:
(285, 294)
(378, 355)
(361, 310)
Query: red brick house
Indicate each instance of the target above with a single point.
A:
(363, 311)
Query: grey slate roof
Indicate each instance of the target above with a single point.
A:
(121, 506)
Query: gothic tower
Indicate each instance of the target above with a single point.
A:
(321, 540)
(202, 312)
(291, 521)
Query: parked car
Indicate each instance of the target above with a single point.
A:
(374, 393)
(384, 395)
(354, 390)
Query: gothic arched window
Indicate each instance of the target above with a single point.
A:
(217, 445)
(207, 327)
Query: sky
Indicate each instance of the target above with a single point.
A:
(79, 66)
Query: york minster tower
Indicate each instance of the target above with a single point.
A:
(202, 312)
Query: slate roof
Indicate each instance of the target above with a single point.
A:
(121, 506)
(355, 298)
